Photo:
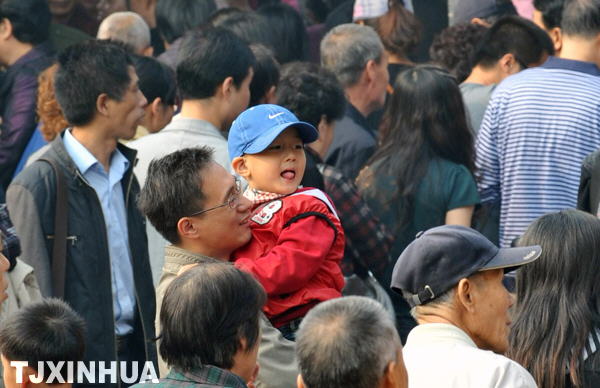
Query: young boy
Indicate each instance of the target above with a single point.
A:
(297, 239)
(44, 331)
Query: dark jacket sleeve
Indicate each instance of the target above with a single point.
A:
(588, 194)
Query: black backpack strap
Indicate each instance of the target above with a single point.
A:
(59, 248)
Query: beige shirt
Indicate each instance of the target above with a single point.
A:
(276, 355)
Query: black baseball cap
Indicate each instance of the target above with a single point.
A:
(438, 258)
(465, 10)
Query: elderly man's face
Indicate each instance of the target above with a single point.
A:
(491, 320)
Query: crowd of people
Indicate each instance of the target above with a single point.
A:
(300, 193)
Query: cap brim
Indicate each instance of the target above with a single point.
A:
(512, 258)
(307, 133)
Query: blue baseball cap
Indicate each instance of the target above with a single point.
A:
(438, 258)
(255, 128)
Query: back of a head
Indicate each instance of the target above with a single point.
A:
(30, 19)
(208, 314)
(426, 114)
(105, 63)
(175, 17)
(207, 58)
(156, 80)
(527, 42)
(558, 298)
(551, 11)
(487, 10)
(168, 193)
(347, 48)
(266, 73)
(581, 18)
(399, 29)
(48, 330)
(289, 36)
(454, 46)
(249, 26)
(47, 107)
(346, 343)
(311, 92)
(126, 27)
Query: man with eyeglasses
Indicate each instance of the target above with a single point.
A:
(197, 206)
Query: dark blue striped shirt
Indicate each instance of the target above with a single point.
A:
(539, 126)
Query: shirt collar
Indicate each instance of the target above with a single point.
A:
(438, 332)
(208, 374)
(84, 160)
(571, 64)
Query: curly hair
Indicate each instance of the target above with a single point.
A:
(51, 116)
(453, 48)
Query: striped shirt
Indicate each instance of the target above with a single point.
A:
(539, 126)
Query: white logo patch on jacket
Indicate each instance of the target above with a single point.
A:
(266, 213)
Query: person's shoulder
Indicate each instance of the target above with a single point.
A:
(307, 200)
(507, 372)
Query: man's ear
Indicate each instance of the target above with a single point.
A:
(6, 29)
(556, 37)
(300, 382)
(371, 70)
(240, 167)
(156, 106)
(508, 64)
(226, 86)
(148, 51)
(390, 378)
(466, 294)
(270, 97)
(187, 228)
(102, 103)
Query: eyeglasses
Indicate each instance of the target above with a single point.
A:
(232, 201)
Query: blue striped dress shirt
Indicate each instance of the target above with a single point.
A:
(538, 127)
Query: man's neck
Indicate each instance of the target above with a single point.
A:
(482, 76)
(15, 53)
(205, 109)
(580, 49)
(356, 96)
(95, 141)
(196, 247)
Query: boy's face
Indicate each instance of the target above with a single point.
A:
(280, 167)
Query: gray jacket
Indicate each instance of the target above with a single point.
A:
(31, 202)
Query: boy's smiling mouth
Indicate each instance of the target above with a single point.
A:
(288, 174)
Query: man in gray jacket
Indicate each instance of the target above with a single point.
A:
(107, 277)
(205, 217)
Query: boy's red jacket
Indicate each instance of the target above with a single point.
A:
(295, 253)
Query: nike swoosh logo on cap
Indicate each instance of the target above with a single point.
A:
(275, 115)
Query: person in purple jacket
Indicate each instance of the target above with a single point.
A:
(24, 28)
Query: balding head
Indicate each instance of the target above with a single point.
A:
(129, 28)
(349, 342)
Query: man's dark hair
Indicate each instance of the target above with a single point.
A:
(30, 19)
(206, 313)
(48, 330)
(310, 92)
(266, 73)
(512, 34)
(85, 71)
(454, 46)
(175, 17)
(249, 26)
(207, 58)
(581, 18)
(156, 80)
(551, 11)
(173, 189)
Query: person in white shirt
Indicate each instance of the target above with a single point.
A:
(452, 278)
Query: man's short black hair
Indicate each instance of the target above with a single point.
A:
(266, 73)
(30, 19)
(173, 189)
(551, 11)
(48, 330)
(207, 58)
(288, 32)
(175, 17)
(156, 79)
(310, 91)
(512, 34)
(86, 70)
(206, 313)
(581, 18)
